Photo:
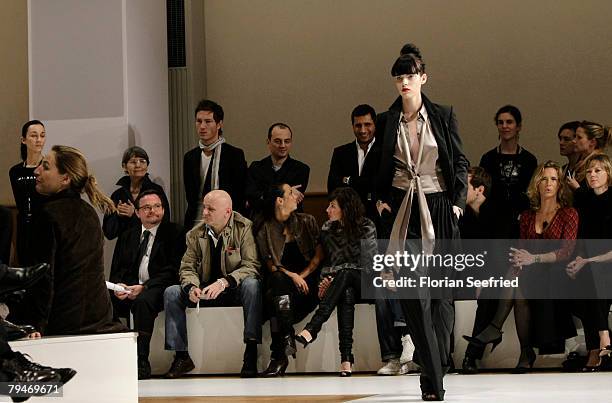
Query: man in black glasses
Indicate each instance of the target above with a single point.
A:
(146, 261)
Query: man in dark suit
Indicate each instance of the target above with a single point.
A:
(214, 164)
(356, 164)
(276, 168)
(146, 261)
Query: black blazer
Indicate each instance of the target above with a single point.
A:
(262, 176)
(452, 161)
(164, 261)
(232, 179)
(344, 163)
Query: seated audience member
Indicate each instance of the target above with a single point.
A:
(278, 167)
(591, 139)
(23, 182)
(145, 263)
(349, 244)
(288, 243)
(478, 222)
(396, 346)
(214, 164)
(538, 322)
(135, 163)
(219, 268)
(589, 274)
(567, 147)
(355, 164)
(72, 298)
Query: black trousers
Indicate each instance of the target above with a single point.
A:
(389, 335)
(484, 315)
(343, 292)
(300, 305)
(145, 308)
(430, 321)
(6, 232)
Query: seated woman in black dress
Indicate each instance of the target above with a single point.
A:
(72, 298)
(289, 245)
(588, 269)
(349, 244)
(28, 201)
(135, 163)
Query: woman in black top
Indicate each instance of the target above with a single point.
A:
(595, 229)
(135, 163)
(349, 244)
(23, 182)
(511, 168)
(289, 244)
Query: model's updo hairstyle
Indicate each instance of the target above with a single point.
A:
(409, 62)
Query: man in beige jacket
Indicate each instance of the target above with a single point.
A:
(219, 268)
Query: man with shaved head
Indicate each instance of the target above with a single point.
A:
(219, 268)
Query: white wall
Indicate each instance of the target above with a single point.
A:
(98, 74)
(310, 62)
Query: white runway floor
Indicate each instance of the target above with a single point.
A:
(493, 387)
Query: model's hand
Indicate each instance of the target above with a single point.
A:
(324, 285)
(125, 209)
(135, 291)
(380, 207)
(388, 275)
(194, 295)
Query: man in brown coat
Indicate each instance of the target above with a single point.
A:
(219, 268)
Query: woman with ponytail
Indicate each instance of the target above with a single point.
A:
(591, 139)
(22, 178)
(72, 299)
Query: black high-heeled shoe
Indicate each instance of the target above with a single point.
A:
(16, 332)
(346, 373)
(276, 368)
(526, 360)
(427, 391)
(492, 334)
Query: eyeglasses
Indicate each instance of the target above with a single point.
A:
(136, 161)
(150, 207)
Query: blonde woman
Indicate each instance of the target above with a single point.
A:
(73, 298)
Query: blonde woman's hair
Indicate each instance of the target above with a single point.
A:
(533, 193)
(71, 162)
(601, 134)
(605, 163)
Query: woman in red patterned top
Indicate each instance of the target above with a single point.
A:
(548, 218)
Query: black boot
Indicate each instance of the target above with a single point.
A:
(469, 367)
(276, 367)
(284, 315)
(249, 364)
(20, 278)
